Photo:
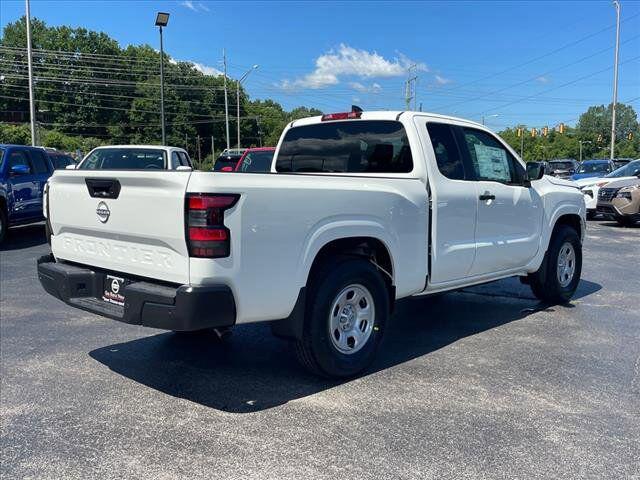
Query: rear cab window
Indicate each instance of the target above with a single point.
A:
(355, 146)
(125, 159)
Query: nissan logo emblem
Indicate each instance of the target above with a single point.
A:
(103, 212)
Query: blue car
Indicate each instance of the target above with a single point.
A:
(593, 168)
(23, 173)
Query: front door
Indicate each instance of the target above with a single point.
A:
(453, 205)
(24, 187)
(509, 214)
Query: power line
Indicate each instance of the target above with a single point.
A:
(536, 76)
(561, 86)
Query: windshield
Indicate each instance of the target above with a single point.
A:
(257, 162)
(561, 165)
(596, 167)
(125, 159)
(629, 170)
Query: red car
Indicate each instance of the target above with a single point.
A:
(256, 160)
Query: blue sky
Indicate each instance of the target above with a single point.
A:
(537, 63)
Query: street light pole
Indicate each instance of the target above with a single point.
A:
(238, 97)
(226, 99)
(162, 19)
(616, 4)
(489, 116)
(32, 104)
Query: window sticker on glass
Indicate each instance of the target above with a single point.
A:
(492, 163)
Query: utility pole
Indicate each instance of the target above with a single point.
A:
(186, 142)
(226, 99)
(522, 145)
(213, 151)
(259, 130)
(410, 88)
(238, 97)
(581, 142)
(616, 4)
(199, 157)
(32, 105)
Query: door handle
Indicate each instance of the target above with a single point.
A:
(487, 196)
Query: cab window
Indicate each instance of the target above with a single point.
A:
(490, 160)
(445, 148)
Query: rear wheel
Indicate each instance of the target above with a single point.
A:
(347, 310)
(557, 278)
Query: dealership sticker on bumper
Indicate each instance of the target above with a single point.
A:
(113, 287)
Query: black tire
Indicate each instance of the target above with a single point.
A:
(316, 351)
(4, 224)
(624, 221)
(591, 214)
(544, 283)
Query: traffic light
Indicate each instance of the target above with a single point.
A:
(534, 132)
(630, 136)
(561, 128)
(545, 131)
(600, 137)
(520, 132)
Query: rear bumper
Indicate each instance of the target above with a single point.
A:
(180, 308)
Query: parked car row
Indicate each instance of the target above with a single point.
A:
(612, 193)
(24, 170)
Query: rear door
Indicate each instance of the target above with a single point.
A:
(131, 222)
(42, 171)
(509, 219)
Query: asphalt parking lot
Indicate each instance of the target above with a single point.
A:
(484, 383)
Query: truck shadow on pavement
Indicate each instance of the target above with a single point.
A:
(254, 371)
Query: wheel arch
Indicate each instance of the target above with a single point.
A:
(371, 248)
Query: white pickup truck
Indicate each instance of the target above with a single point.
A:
(360, 209)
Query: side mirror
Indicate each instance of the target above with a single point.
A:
(71, 166)
(535, 170)
(226, 169)
(20, 170)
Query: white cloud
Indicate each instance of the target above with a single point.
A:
(440, 80)
(542, 79)
(195, 7)
(189, 4)
(206, 69)
(349, 61)
(359, 87)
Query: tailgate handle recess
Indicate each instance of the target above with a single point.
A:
(103, 187)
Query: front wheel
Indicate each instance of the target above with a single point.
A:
(624, 221)
(557, 278)
(347, 310)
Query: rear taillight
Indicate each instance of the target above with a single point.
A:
(206, 233)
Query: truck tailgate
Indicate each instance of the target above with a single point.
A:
(124, 221)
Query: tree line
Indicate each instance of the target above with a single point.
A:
(91, 91)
